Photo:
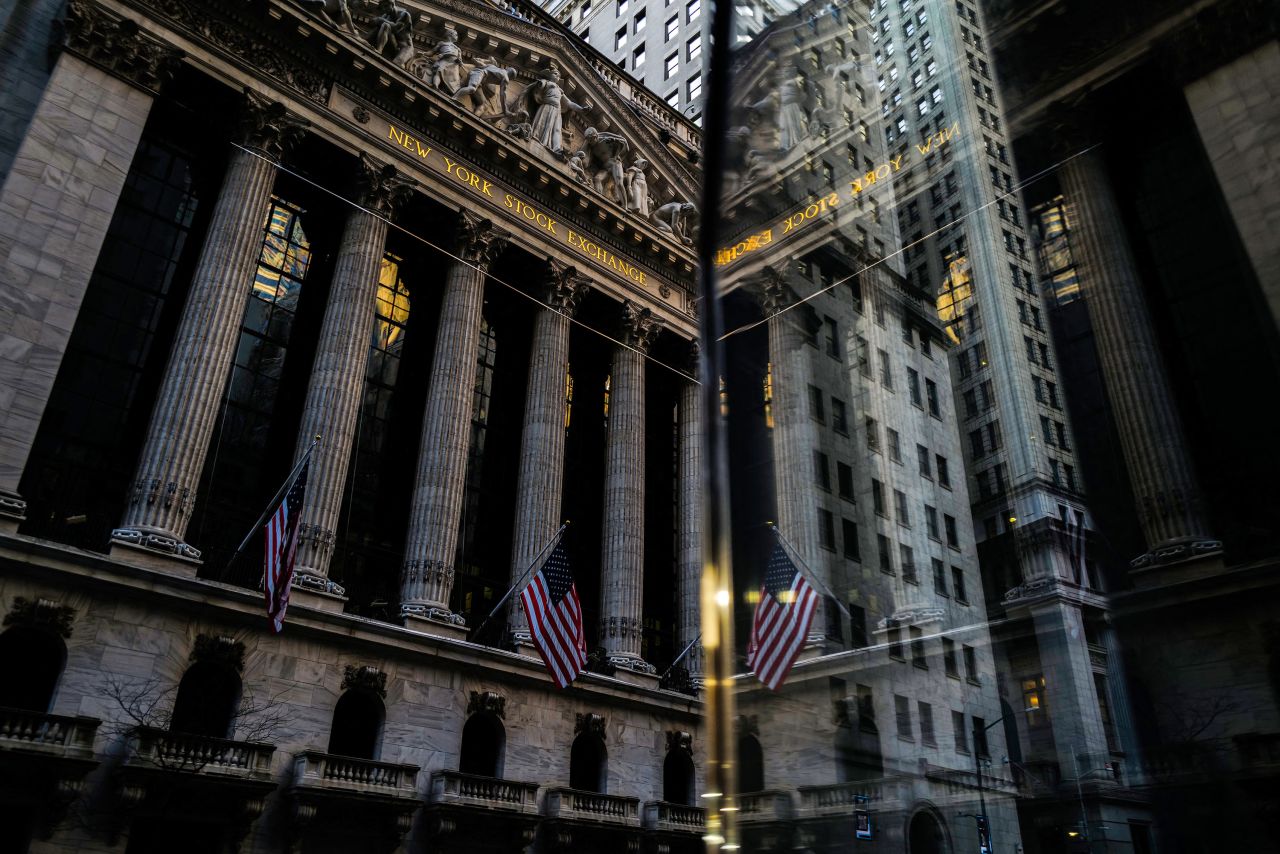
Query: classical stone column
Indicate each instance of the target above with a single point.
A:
(622, 543)
(689, 537)
(1170, 507)
(337, 375)
(427, 578)
(163, 489)
(540, 481)
(56, 203)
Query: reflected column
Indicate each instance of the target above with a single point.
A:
(338, 374)
(622, 550)
(426, 580)
(689, 536)
(186, 409)
(540, 483)
(1170, 507)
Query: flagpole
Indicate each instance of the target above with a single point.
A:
(512, 589)
(288, 481)
(680, 656)
(809, 572)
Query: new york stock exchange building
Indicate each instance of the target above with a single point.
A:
(442, 252)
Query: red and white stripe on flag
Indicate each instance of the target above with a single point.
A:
(281, 549)
(781, 622)
(551, 605)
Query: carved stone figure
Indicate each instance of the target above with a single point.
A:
(605, 151)
(737, 144)
(445, 71)
(519, 125)
(679, 219)
(578, 168)
(393, 25)
(330, 10)
(487, 87)
(637, 187)
(547, 102)
(789, 104)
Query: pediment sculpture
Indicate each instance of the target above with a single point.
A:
(533, 107)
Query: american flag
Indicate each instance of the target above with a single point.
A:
(551, 604)
(282, 547)
(781, 621)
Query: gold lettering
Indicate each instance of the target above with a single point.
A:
(510, 201)
(485, 189)
(897, 162)
(448, 165)
(395, 135)
(422, 152)
(924, 149)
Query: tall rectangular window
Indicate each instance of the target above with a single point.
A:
(980, 736)
(844, 480)
(931, 391)
(826, 529)
(962, 737)
(849, 531)
(917, 649)
(857, 626)
(672, 27)
(817, 404)
(900, 505)
(877, 497)
(931, 522)
(839, 416)
(957, 585)
(944, 475)
(970, 663)
(902, 713)
(691, 11)
(922, 456)
(695, 87)
(949, 658)
(926, 723)
(895, 642)
(821, 470)
(886, 372)
(669, 69)
(913, 386)
(886, 556)
(693, 48)
(953, 536)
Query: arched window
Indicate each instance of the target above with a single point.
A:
(356, 730)
(483, 744)
(589, 763)
(750, 764)
(677, 777)
(926, 834)
(208, 697)
(31, 660)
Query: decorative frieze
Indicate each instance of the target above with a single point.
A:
(219, 650)
(589, 723)
(364, 678)
(487, 702)
(266, 125)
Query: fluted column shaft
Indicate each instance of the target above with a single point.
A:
(540, 481)
(622, 547)
(186, 408)
(1169, 501)
(689, 542)
(337, 375)
(427, 577)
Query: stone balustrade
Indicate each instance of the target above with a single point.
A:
(454, 787)
(575, 805)
(839, 798)
(663, 815)
(40, 732)
(324, 770)
(201, 754)
(767, 805)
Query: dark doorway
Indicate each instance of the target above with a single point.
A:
(483, 743)
(208, 696)
(750, 764)
(926, 835)
(589, 764)
(677, 777)
(32, 661)
(357, 725)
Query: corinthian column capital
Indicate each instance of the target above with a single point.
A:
(772, 290)
(267, 126)
(480, 242)
(564, 287)
(639, 327)
(381, 188)
(117, 45)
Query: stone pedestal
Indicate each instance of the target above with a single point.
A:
(622, 548)
(152, 558)
(186, 409)
(316, 600)
(426, 580)
(438, 628)
(338, 374)
(540, 481)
